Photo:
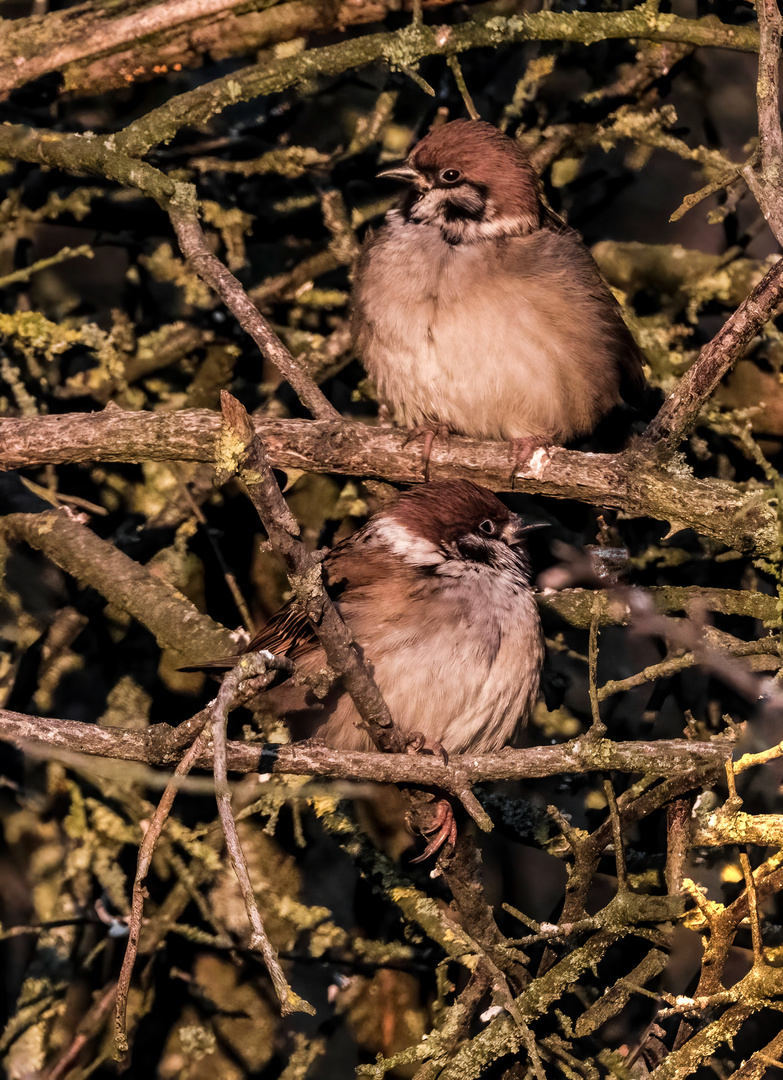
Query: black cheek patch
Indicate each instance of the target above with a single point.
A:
(454, 210)
(473, 548)
(467, 202)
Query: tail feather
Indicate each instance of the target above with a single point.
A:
(225, 663)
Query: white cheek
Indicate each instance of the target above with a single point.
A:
(491, 227)
(428, 208)
(441, 204)
(414, 549)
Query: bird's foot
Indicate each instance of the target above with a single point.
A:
(442, 829)
(418, 743)
(427, 432)
(528, 452)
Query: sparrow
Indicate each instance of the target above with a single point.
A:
(477, 311)
(436, 592)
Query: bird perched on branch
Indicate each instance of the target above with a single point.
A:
(436, 592)
(477, 311)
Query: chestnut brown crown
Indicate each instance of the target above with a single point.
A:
(472, 180)
(448, 512)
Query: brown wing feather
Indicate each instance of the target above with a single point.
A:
(288, 633)
(628, 355)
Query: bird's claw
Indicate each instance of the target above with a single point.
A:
(442, 829)
(427, 432)
(416, 743)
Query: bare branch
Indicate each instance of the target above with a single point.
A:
(254, 665)
(98, 50)
(183, 210)
(758, 1064)
(174, 621)
(765, 177)
(680, 412)
(741, 519)
(146, 850)
(193, 754)
(87, 36)
(86, 1030)
(159, 745)
(197, 106)
(678, 842)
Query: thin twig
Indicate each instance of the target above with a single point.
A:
(598, 728)
(84, 250)
(229, 578)
(249, 666)
(749, 761)
(617, 836)
(459, 78)
(183, 211)
(673, 664)
(146, 849)
(725, 180)
(753, 910)
(766, 179)
(680, 412)
(87, 1029)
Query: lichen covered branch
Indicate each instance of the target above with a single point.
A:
(740, 519)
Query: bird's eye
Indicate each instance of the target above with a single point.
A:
(450, 176)
(487, 527)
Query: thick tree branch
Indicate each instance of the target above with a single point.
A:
(98, 48)
(84, 155)
(158, 745)
(72, 39)
(580, 607)
(407, 47)
(95, 563)
(740, 519)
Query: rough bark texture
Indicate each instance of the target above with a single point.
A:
(207, 262)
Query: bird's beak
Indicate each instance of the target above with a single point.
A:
(517, 529)
(406, 174)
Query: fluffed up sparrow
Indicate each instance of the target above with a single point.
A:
(436, 592)
(477, 311)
